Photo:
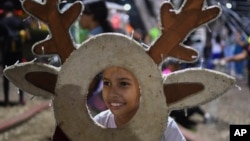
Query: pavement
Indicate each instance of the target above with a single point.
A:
(230, 108)
(234, 106)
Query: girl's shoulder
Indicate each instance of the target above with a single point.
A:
(105, 113)
(106, 119)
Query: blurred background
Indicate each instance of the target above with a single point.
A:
(142, 17)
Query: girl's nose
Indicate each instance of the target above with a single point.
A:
(114, 91)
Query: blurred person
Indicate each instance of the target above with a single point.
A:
(240, 42)
(95, 17)
(78, 33)
(12, 45)
(228, 39)
(3, 37)
(207, 53)
(245, 54)
(217, 50)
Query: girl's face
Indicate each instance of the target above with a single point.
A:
(121, 93)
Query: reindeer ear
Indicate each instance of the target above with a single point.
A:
(192, 87)
(35, 78)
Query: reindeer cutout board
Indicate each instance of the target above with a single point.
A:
(68, 85)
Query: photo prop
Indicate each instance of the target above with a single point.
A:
(68, 85)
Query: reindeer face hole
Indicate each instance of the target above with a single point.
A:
(116, 90)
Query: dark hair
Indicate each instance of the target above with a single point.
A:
(100, 13)
(218, 38)
(8, 6)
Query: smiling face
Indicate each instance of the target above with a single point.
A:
(121, 93)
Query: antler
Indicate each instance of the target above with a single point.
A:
(176, 26)
(58, 23)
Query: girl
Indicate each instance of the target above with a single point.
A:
(121, 95)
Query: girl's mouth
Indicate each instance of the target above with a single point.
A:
(116, 105)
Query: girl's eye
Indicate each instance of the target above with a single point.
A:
(106, 83)
(124, 83)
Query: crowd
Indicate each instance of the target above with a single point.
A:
(226, 47)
